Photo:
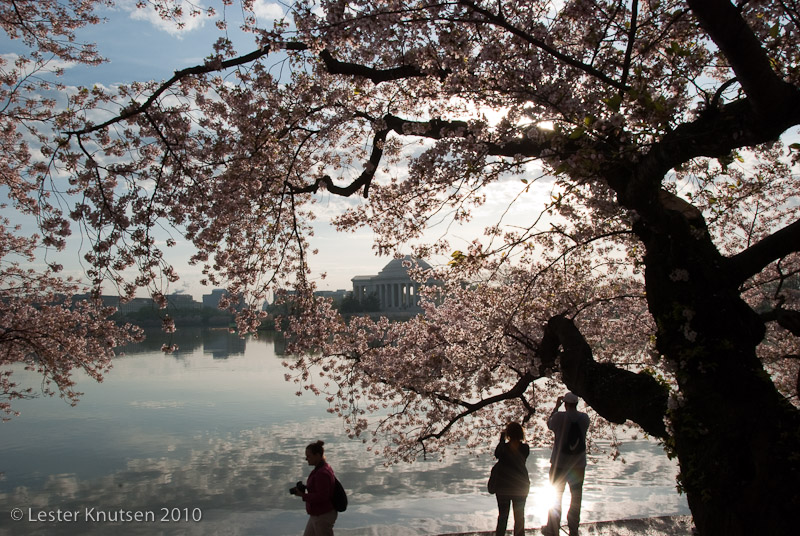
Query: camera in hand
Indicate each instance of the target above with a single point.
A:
(298, 489)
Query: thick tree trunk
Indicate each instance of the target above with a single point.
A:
(737, 444)
(737, 439)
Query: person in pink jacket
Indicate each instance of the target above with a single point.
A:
(318, 493)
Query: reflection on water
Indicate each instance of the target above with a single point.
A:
(215, 430)
(218, 343)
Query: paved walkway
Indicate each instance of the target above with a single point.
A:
(650, 526)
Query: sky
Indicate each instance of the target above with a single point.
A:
(141, 46)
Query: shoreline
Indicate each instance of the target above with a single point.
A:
(680, 525)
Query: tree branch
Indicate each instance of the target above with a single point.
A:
(499, 20)
(616, 394)
(183, 73)
(626, 66)
(471, 407)
(789, 319)
(729, 31)
(437, 129)
(713, 134)
(365, 179)
(752, 260)
(334, 66)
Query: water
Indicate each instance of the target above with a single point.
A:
(209, 440)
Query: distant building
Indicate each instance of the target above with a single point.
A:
(212, 300)
(133, 306)
(183, 302)
(335, 295)
(176, 302)
(393, 287)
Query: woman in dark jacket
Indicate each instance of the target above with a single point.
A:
(512, 481)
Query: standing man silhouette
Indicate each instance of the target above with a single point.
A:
(567, 462)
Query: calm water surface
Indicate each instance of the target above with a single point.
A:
(209, 440)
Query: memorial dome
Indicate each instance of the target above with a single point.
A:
(396, 269)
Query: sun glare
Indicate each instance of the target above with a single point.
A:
(540, 500)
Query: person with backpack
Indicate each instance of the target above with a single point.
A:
(319, 493)
(510, 480)
(567, 462)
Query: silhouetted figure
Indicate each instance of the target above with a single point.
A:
(511, 480)
(318, 493)
(567, 462)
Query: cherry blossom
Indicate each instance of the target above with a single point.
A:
(658, 281)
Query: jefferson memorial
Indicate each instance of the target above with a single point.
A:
(393, 286)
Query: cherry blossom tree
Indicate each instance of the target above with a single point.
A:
(47, 331)
(45, 324)
(658, 282)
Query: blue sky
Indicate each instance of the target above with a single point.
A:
(140, 46)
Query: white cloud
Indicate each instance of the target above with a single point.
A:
(267, 10)
(149, 14)
(8, 61)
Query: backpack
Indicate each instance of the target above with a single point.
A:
(339, 496)
(574, 442)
